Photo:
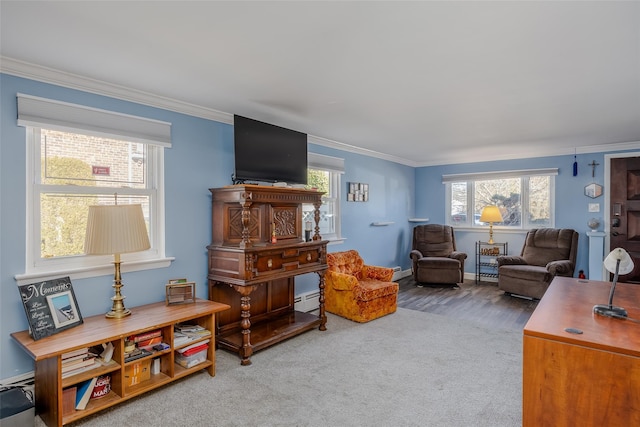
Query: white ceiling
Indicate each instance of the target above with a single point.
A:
(421, 83)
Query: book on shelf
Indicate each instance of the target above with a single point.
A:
(73, 353)
(138, 353)
(148, 344)
(194, 348)
(145, 336)
(83, 393)
(183, 327)
(89, 359)
(76, 371)
(74, 359)
(69, 400)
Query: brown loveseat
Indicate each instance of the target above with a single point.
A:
(434, 255)
(547, 252)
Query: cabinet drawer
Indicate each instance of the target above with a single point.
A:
(289, 259)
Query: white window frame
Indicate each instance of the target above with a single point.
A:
(335, 167)
(38, 113)
(523, 175)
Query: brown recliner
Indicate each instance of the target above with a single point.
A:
(547, 252)
(434, 255)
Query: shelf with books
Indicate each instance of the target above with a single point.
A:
(51, 389)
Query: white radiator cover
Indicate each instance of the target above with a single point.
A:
(308, 301)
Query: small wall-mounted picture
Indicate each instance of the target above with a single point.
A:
(63, 309)
(358, 192)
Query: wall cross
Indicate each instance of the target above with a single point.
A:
(593, 165)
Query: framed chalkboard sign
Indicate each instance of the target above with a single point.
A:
(50, 306)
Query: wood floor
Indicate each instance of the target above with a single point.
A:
(483, 303)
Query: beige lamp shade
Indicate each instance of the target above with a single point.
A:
(115, 229)
(491, 214)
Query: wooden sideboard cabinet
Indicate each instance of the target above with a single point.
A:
(47, 353)
(254, 273)
(591, 378)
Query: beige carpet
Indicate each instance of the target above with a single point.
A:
(407, 369)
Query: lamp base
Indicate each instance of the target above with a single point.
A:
(610, 311)
(118, 314)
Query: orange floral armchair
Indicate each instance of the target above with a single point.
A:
(357, 291)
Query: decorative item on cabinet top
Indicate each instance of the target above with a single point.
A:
(358, 192)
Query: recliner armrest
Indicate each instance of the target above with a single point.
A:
(511, 260)
(561, 268)
(415, 255)
(460, 256)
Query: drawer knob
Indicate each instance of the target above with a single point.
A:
(308, 256)
(269, 263)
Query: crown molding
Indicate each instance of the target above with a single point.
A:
(73, 81)
(357, 150)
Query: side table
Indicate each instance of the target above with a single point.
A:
(486, 254)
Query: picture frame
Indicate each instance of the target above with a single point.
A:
(593, 190)
(50, 306)
(180, 293)
(358, 192)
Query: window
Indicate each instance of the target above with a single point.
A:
(77, 160)
(324, 174)
(525, 198)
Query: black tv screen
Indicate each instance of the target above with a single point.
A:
(268, 153)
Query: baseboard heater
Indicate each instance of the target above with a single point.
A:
(308, 301)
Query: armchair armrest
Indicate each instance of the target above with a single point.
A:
(375, 272)
(510, 260)
(460, 256)
(340, 281)
(560, 268)
(415, 255)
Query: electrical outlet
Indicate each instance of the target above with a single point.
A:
(594, 207)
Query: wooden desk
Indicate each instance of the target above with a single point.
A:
(588, 379)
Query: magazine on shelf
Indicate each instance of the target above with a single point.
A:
(83, 394)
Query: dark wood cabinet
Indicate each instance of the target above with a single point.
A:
(257, 249)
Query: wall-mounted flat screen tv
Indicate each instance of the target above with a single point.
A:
(268, 153)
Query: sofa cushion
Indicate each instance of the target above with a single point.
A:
(439, 262)
(524, 272)
(368, 290)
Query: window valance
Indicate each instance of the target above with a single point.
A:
(328, 163)
(63, 116)
(497, 175)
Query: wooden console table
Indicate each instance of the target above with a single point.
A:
(255, 275)
(588, 379)
(47, 353)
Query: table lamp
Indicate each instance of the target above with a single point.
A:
(116, 229)
(491, 214)
(617, 262)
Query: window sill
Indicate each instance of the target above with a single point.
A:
(94, 271)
